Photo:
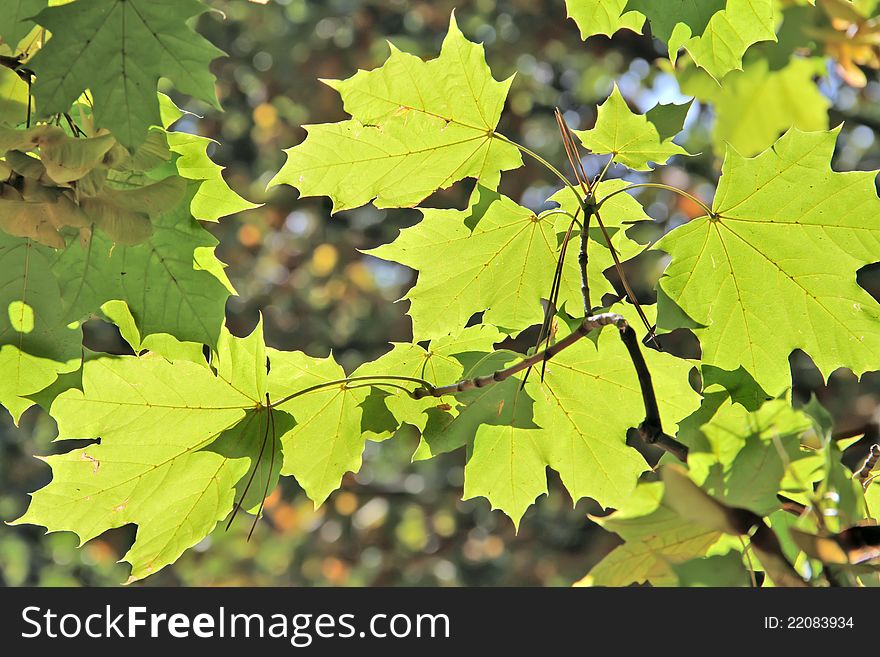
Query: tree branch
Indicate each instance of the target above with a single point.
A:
(585, 327)
(651, 429)
(583, 261)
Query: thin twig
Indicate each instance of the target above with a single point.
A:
(863, 475)
(552, 301)
(651, 429)
(346, 381)
(669, 188)
(583, 262)
(250, 480)
(585, 327)
(273, 437)
(591, 207)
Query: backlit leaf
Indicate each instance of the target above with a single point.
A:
(416, 127)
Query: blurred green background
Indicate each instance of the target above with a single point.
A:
(396, 523)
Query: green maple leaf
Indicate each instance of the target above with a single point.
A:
(416, 127)
(161, 343)
(455, 424)
(633, 139)
(498, 258)
(719, 49)
(754, 106)
(172, 282)
(214, 199)
(588, 448)
(15, 20)
(514, 434)
(327, 440)
(741, 456)
(716, 33)
(176, 441)
(656, 538)
(757, 298)
(118, 49)
(603, 17)
(447, 359)
(36, 344)
(717, 570)
(174, 286)
(665, 15)
(505, 462)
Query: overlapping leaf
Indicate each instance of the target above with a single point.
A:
(656, 538)
(36, 343)
(327, 440)
(498, 258)
(757, 296)
(172, 282)
(635, 140)
(603, 17)
(716, 33)
(741, 456)
(175, 441)
(574, 421)
(416, 127)
(15, 19)
(446, 360)
(754, 106)
(118, 49)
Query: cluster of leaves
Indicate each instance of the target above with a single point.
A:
(182, 440)
(757, 63)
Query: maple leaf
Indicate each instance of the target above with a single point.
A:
(498, 258)
(15, 19)
(736, 274)
(36, 343)
(716, 33)
(172, 282)
(214, 199)
(118, 49)
(513, 433)
(754, 106)
(603, 17)
(417, 127)
(739, 455)
(666, 15)
(719, 49)
(176, 440)
(633, 139)
(448, 358)
(327, 440)
(656, 539)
